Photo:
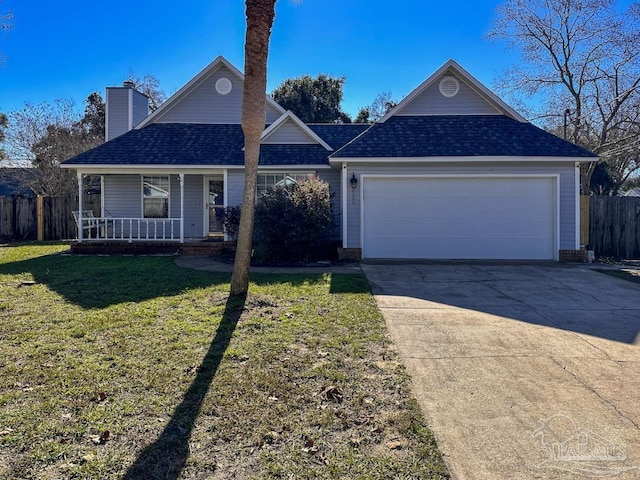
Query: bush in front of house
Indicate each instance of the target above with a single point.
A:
(231, 221)
(294, 223)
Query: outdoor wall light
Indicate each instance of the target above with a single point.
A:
(353, 181)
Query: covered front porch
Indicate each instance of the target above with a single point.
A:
(154, 207)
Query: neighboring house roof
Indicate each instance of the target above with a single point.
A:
(13, 180)
(459, 136)
(193, 144)
(633, 192)
(338, 134)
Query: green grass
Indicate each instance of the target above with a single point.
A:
(130, 367)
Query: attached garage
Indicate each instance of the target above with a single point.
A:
(461, 217)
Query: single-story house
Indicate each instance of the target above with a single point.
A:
(452, 172)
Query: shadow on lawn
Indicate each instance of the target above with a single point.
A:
(98, 282)
(166, 457)
(101, 281)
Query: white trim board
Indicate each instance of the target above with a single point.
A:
(469, 159)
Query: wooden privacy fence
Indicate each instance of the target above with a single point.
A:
(615, 226)
(19, 216)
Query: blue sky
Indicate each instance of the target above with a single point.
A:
(68, 49)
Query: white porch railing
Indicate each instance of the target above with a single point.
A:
(130, 229)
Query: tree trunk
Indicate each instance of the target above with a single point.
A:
(260, 15)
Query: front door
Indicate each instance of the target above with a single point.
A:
(214, 213)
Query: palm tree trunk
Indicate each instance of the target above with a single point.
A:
(260, 15)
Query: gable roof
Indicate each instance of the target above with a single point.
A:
(457, 136)
(188, 144)
(194, 83)
(451, 66)
(289, 116)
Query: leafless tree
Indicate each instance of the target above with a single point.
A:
(6, 24)
(150, 86)
(380, 106)
(45, 134)
(580, 61)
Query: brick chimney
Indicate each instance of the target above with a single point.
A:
(126, 108)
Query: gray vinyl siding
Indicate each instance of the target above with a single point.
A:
(140, 107)
(204, 104)
(193, 207)
(117, 112)
(432, 102)
(235, 187)
(566, 170)
(123, 196)
(272, 114)
(289, 132)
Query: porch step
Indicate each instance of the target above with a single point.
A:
(151, 248)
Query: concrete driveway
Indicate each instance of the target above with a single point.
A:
(523, 371)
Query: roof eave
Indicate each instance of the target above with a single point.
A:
(460, 159)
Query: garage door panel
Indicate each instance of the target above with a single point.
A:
(478, 227)
(435, 217)
(467, 207)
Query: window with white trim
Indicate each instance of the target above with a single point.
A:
(155, 196)
(275, 180)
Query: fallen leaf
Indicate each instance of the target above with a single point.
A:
(102, 438)
(89, 457)
(396, 444)
(333, 394)
(99, 396)
(6, 431)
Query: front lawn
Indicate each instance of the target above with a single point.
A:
(130, 367)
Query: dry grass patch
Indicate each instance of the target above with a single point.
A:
(130, 367)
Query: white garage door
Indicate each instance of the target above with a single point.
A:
(468, 217)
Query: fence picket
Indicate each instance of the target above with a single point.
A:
(615, 226)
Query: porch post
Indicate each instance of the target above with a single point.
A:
(181, 176)
(80, 218)
(344, 204)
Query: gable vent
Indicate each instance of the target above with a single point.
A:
(449, 86)
(223, 86)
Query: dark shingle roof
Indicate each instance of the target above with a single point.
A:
(14, 181)
(338, 134)
(193, 144)
(435, 136)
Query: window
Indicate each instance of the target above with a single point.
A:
(275, 180)
(155, 197)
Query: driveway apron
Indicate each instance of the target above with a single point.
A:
(522, 371)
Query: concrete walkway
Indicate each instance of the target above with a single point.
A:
(209, 264)
(523, 371)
